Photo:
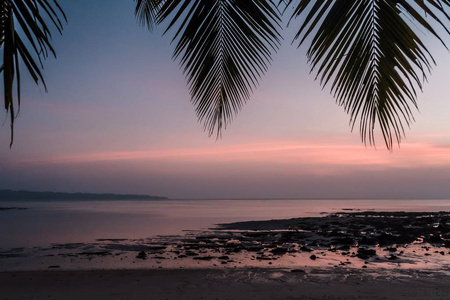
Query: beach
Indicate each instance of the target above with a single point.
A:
(259, 283)
(345, 255)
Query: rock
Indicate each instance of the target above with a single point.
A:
(313, 257)
(347, 241)
(254, 248)
(278, 251)
(343, 248)
(391, 249)
(305, 249)
(368, 241)
(236, 249)
(435, 239)
(156, 248)
(191, 253)
(298, 271)
(204, 257)
(141, 255)
(364, 253)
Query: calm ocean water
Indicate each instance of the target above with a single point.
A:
(44, 223)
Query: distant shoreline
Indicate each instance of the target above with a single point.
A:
(10, 195)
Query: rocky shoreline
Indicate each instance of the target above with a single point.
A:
(346, 230)
(349, 255)
(350, 240)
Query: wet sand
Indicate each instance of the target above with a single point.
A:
(215, 284)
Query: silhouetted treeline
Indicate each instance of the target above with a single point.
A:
(46, 196)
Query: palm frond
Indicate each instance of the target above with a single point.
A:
(372, 57)
(146, 12)
(31, 46)
(224, 47)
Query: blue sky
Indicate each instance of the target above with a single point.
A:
(117, 118)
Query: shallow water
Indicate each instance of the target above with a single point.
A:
(44, 223)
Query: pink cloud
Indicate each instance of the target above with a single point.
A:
(325, 155)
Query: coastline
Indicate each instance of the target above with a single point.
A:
(348, 255)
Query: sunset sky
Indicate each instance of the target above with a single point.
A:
(117, 118)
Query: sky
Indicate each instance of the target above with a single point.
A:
(117, 118)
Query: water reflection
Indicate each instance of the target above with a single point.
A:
(43, 223)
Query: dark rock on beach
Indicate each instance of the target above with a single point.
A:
(255, 248)
(434, 239)
(346, 241)
(393, 257)
(279, 251)
(204, 257)
(391, 249)
(364, 253)
(300, 271)
(305, 249)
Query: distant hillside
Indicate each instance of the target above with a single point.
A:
(45, 196)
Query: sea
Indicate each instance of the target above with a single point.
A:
(43, 223)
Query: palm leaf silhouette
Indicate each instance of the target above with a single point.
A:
(146, 12)
(367, 50)
(369, 53)
(30, 17)
(224, 47)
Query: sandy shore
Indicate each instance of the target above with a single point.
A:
(215, 284)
